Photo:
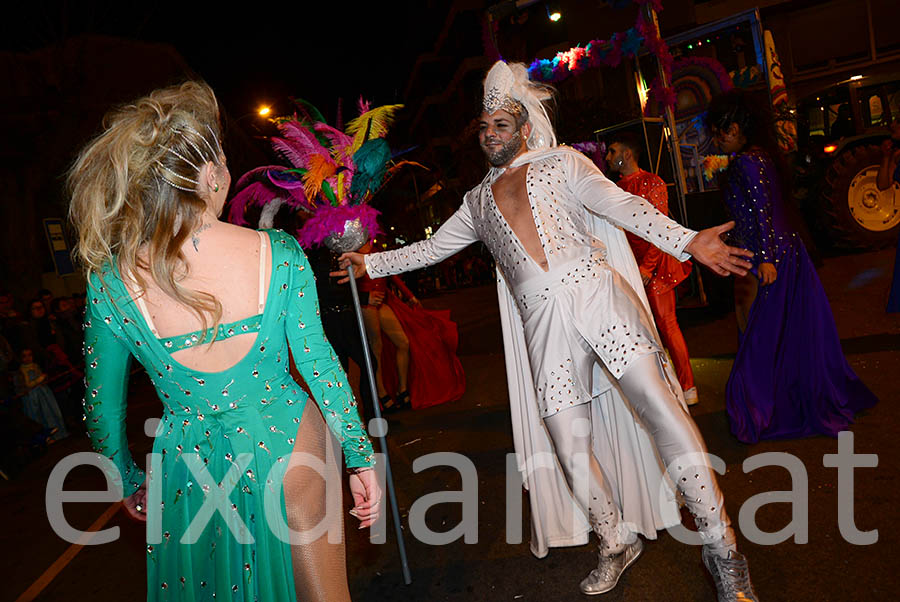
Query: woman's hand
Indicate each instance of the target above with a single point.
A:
(767, 273)
(366, 497)
(136, 504)
(709, 249)
(415, 302)
(376, 298)
(357, 260)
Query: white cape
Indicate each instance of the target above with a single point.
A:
(620, 443)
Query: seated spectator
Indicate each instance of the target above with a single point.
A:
(39, 402)
(9, 318)
(7, 306)
(46, 297)
(44, 339)
(35, 332)
(7, 357)
(20, 437)
(68, 324)
(42, 333)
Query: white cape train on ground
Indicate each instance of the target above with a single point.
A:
(620, 442)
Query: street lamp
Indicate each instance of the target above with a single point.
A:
(264, 111)
(553, 12)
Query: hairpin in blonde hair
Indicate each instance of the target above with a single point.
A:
(215, 151)
(180, 156)
(160, 168)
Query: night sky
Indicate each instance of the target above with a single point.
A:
(258, 52)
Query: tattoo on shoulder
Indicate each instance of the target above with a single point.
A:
(195, 237)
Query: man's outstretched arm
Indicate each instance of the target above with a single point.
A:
(638, 216)
(454, 235)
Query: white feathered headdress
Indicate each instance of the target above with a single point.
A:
(507, 87)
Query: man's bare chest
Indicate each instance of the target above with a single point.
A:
(511, 198)
(510, 195)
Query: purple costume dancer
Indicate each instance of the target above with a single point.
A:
(790, 377)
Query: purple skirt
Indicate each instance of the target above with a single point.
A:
(790, 378)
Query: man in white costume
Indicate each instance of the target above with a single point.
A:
(582, 352)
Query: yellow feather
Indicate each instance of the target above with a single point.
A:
(380, 119)
(340, 187)
(397, 166)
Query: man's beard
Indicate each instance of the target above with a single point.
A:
(505, 153)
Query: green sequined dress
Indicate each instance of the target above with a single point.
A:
(226, 435)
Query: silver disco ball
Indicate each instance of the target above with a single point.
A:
(354, 236)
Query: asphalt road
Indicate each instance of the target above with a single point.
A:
(826, 567)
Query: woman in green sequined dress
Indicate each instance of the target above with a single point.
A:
(214, 313)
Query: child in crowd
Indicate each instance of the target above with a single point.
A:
(39, 402)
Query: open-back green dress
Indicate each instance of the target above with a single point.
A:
(226, 436)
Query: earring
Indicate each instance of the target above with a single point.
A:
(216, 189)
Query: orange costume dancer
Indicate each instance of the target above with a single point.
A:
(660, 272)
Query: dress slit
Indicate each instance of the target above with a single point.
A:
(320, 567)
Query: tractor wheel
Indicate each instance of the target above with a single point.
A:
(857, 214)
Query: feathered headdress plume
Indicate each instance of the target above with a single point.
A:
(331, 174)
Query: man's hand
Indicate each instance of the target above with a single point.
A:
(645, 276)
(357, 260)
(767, 273)
(708, 248)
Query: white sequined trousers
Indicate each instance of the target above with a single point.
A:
(574, 316)
(681, 448)
(570, 432)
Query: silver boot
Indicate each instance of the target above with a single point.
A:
(605, 577)
(731, 575)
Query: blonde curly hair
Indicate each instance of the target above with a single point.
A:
(134, 190)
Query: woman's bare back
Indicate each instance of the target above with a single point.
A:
(224, 261)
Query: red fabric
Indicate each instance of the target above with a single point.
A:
(368, 285)
(435, 373)
(663, 308)
(664, 270)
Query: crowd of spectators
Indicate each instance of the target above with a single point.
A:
(41, 375)
(463, 270)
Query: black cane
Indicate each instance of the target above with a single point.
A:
(388, 476)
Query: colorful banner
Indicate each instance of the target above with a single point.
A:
(784, 121)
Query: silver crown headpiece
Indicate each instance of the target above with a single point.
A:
(507, 87)
(497, 88)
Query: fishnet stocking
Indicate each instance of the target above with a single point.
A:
(320, 568)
